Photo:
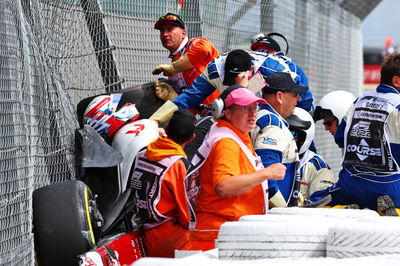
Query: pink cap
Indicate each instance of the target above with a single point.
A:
(242, 97)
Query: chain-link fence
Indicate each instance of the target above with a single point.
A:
(53, 53)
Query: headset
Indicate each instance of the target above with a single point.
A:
(218, 106)
(267, 39)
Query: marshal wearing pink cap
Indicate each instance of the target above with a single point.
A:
(233, 180)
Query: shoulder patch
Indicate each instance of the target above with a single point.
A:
(270, 141)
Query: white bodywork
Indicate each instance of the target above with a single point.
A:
(129, 140)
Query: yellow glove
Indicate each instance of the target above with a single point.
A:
(165, 112)
(164, 91)
(277, 200)
(166, 69)
(180, 65)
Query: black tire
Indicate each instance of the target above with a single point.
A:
(61, 223)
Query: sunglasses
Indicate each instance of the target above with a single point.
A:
(246, 108)
(169, 17)
(329, 123)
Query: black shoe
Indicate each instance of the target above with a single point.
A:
(386, 205)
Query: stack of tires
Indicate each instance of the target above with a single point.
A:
(302, 236)
(285, 232)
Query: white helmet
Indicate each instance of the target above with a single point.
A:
(335, 103)
(101, 114)
(129, 140)
(302, 126)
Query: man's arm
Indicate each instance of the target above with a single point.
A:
(195, 94)
(232, 174)
(269, 143)
(201, 51)
(180, 65)
(316, 176)
(239, 184)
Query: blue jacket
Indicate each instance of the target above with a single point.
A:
(370, 137)
(211, 79)
(274, 143)
(307, 99)
(365, 130)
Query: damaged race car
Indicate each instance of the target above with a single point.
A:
(91, 220)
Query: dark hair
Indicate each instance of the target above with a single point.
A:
(390, 68)
(181, 126)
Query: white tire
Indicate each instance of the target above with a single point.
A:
(271, 245)
(238, 254)
(327, 212)
(245, 240)
(359, 239)
(281, 218)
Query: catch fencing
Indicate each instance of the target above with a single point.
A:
(53, 53)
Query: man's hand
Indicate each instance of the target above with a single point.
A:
(164, 91)
(275, 171)
(161, 132)
(243, 79)
(166, 69)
